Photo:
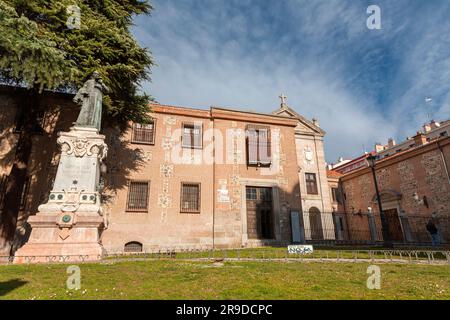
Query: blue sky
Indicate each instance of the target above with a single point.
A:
(363, 85)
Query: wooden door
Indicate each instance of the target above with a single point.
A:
(259, 213)
(394, 226)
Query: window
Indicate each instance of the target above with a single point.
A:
(311, 183)
(335, 192)
(192, 136)
(133, 246)
(144, 133)
(190, 198)
(443, 134)
(258, 145)
(138, 196)
(251, 193)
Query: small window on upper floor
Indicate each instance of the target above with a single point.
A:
(144, 133)
(192, 136)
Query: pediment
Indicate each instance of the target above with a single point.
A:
(304, 125)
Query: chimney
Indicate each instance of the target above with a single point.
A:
(378, 147)
(420, 139)
(426, 128)
(391, 143)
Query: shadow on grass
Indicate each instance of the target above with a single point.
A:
(11, 285)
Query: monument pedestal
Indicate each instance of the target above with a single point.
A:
(68, 227)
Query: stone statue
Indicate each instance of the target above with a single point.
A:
(90, 97)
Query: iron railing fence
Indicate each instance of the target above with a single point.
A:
(261, 255)
(365, 229)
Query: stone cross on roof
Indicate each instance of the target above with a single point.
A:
(283, 99)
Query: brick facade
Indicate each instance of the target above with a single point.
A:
(220, 169)
(413, 185)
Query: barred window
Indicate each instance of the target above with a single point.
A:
(311, 183)
(133, 246)
(251, 193)
(258, 145)
(192, 136)
(144, 133)
(190, 197)
(138, 192)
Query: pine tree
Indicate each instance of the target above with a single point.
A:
(42, 48)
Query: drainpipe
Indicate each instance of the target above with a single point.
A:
(444, 160)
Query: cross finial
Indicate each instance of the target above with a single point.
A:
(283, 98)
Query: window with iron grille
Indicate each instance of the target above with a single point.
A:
(251, 193)
(192, 136)
(258, 145)
(311, 183)
(144, 133)
(190, 198)
(133, 246)
(138, 192)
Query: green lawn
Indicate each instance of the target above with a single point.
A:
(178, 279)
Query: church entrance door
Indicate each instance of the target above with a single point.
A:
(259, 213)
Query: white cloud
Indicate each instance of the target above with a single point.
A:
(231, 58)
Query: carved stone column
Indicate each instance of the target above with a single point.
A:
(68, 227)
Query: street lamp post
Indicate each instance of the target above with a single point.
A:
(371, 160)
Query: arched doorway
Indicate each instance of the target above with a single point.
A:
(315, 222)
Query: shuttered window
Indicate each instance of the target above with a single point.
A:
(144, 133)
(138, 192)
(192, 136)
(258, 142)
(190, 198)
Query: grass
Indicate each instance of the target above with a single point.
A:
(183, 279)
(281, 253)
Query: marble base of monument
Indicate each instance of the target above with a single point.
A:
(68, 227)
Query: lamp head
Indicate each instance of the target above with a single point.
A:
(371, 160)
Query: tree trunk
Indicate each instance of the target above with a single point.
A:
(16, 180)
